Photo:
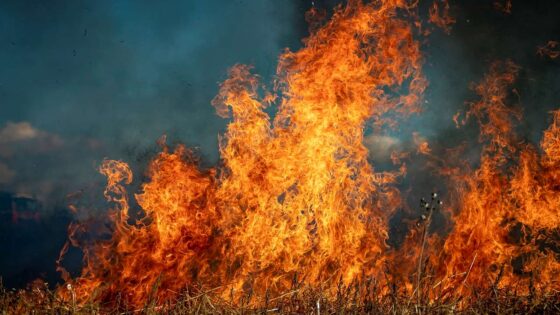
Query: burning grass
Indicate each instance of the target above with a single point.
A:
(357, 298)
(295, 217)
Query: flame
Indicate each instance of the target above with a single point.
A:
(295, 199)
(507, 205)
(551, 49)
(503, 6)
(423, 146)
(295, 196)
(439, 15)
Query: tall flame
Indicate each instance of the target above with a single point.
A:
(508, 205)
(295, 196)
(296, 200)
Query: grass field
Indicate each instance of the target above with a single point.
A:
(357, 299)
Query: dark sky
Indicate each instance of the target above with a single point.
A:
(84, 80)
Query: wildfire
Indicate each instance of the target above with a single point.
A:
(295, 198)
(508, 206)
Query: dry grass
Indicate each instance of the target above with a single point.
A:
(360, 298)
(363, 297)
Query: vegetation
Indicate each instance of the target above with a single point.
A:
(361, 298)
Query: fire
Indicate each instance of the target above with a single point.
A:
(503, 6)
(440, 16)
(551, 49)
(295, 198)
(421, 143)
(508, 205)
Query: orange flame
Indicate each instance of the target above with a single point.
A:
(439, 15)
(295, 197)
(296, 200)
(507, 205)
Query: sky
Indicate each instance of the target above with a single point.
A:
(84, 80)
(87, 80)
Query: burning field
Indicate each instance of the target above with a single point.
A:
(296, 216)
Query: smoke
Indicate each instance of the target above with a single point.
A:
(116, 76)
(40, 164)
(481, 36)
(82, 81)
